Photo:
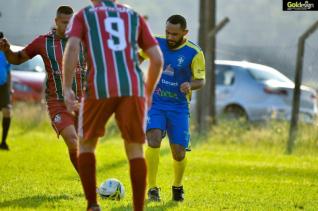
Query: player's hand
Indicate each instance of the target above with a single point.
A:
(4, 45)
(70, 100)
(185, 87)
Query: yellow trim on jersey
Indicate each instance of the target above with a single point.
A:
(181, 46)
(191, 45)
(198, 66)
(142, 54)
(160, 36)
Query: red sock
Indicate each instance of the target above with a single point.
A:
(74, 159)
(138, 173)
(87, 171)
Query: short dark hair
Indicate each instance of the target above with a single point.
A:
(178, 19)
(64, 9)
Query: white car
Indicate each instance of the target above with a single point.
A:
(258, 92)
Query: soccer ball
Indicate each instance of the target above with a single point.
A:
(112, 189)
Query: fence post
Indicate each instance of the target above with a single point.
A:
(297, 91)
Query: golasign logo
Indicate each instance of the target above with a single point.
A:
(289, 5)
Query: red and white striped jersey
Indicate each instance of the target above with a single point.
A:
(51, 48)
(111, 33)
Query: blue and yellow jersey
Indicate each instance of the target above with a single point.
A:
(181, 65)
(4, 68)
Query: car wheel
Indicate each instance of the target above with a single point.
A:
(235, 112)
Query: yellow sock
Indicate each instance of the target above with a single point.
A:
(152, 159)
(179, 167)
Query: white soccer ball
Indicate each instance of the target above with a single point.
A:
(112, 189)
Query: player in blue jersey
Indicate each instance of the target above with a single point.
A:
(5, 98)
(183, 71)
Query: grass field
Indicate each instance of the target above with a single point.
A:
(237, 167)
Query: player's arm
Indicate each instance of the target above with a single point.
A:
(13, 57)
(150, 46)
(198, 74)
(198, 71)
(197, 84)
(155, 68)
(70, 60)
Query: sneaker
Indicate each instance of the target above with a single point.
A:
(94, 207)
(153, 194)
(4, 146)
(177, 193)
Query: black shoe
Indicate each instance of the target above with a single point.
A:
(93, 207)
(4, 146)
(177, 193)
(153, 194)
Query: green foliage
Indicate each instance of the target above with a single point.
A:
(236, 167)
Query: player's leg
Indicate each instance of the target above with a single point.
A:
(6, 121)
(87, 171)
(178, 132)
(71, 140)
(179, 166)
(63, 123)
(130, 116)
(155, 127)
(93, 116)
(5, 105)
(138, 171)
(154, 137)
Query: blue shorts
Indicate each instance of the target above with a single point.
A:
(174, 123)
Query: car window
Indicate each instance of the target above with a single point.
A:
(268, 74)
(33, 65)
(225, 76)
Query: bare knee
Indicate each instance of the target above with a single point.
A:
(154, 137)
(133, 150)
(178, 152)
(87, 145)
(72, 141)
(70, 137)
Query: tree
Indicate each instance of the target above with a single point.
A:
(205, 108)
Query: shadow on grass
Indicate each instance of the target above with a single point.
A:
(36, 201)
(155, 206)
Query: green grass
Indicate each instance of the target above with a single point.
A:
(236, 167)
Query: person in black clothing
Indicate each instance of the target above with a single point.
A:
(5, 97)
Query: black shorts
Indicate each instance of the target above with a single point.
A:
(5, 101)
